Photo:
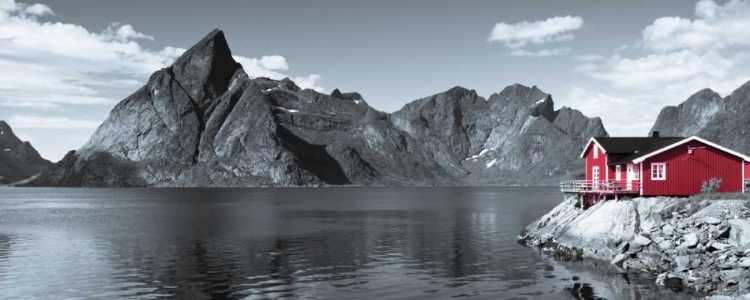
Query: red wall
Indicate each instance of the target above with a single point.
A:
(747, 170)
(686, 172)
(600, 161)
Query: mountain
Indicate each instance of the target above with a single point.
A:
(203, 122)
(18, 159)
(725, 121)
(514, 137)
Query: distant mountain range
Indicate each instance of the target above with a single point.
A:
(18, 159)
(204, 122)
(725, 121)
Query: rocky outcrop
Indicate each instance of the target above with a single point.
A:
(18, 159)
(203, 122)
(699, 244)
(706, 114)
(530, 142)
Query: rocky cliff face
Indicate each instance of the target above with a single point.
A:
(203, 122)
(18, 159)
(514, 137)
(725, 121)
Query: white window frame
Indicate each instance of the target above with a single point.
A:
(618, 169)
(663, 171)
(596, 152)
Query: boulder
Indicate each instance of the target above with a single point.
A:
(718, 246)
(619, 258)
(665, 245)
(641, 241)
(739, 235)
(690, 241)
(711, 220)
(681, 263)
(745, 262)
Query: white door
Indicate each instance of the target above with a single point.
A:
(595, 177)
(618, 169)
(632, 174)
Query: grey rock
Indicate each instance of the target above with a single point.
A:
(690, 240)
(745, 263)
(641, 241)
(711, 220)
(18, 159)
(665, 245)
(718, 246)
(739, 235)
(619, 258)
(682, 263)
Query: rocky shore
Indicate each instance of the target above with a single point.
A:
(697, 243)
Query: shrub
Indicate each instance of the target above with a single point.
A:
(711, 186)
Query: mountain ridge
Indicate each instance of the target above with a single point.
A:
(203, 122)
(18, 159)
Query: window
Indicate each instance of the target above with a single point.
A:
(618, 168)
(596, 152)
(658, 171)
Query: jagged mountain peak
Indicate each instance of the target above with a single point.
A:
(346, 96)
(544, 107)
(7, 135)
(205, 70)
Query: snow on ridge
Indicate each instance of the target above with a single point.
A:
(481, 153)
(492, 163)
(287, 110)
(540, 101)
(358, 101)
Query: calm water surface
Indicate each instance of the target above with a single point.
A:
(299, 243)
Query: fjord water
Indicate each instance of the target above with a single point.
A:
(300, 243)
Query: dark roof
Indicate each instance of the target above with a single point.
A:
(634, 147)
(628, 145)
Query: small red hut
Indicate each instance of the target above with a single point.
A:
(656, 166)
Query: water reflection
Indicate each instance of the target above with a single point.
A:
(290, 243)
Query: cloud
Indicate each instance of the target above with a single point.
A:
(39, 10)
(37, 122)
(715, 27)
(519, 35)
(622, 116)
(52, 64)
(656, 70)
(551, 30)
(540, 53)
(590, 58)
(677, 57)
(309, 82)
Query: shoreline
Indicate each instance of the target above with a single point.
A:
(698, 244)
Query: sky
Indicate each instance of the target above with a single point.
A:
(65, 64)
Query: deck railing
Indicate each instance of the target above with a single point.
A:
(600, 186)
(746, 184)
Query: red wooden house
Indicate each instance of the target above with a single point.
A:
(656, 166)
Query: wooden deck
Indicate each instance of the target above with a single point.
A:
(601, 186)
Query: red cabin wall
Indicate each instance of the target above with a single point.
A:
(747, 170)
(685, 173)
(600, 161)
